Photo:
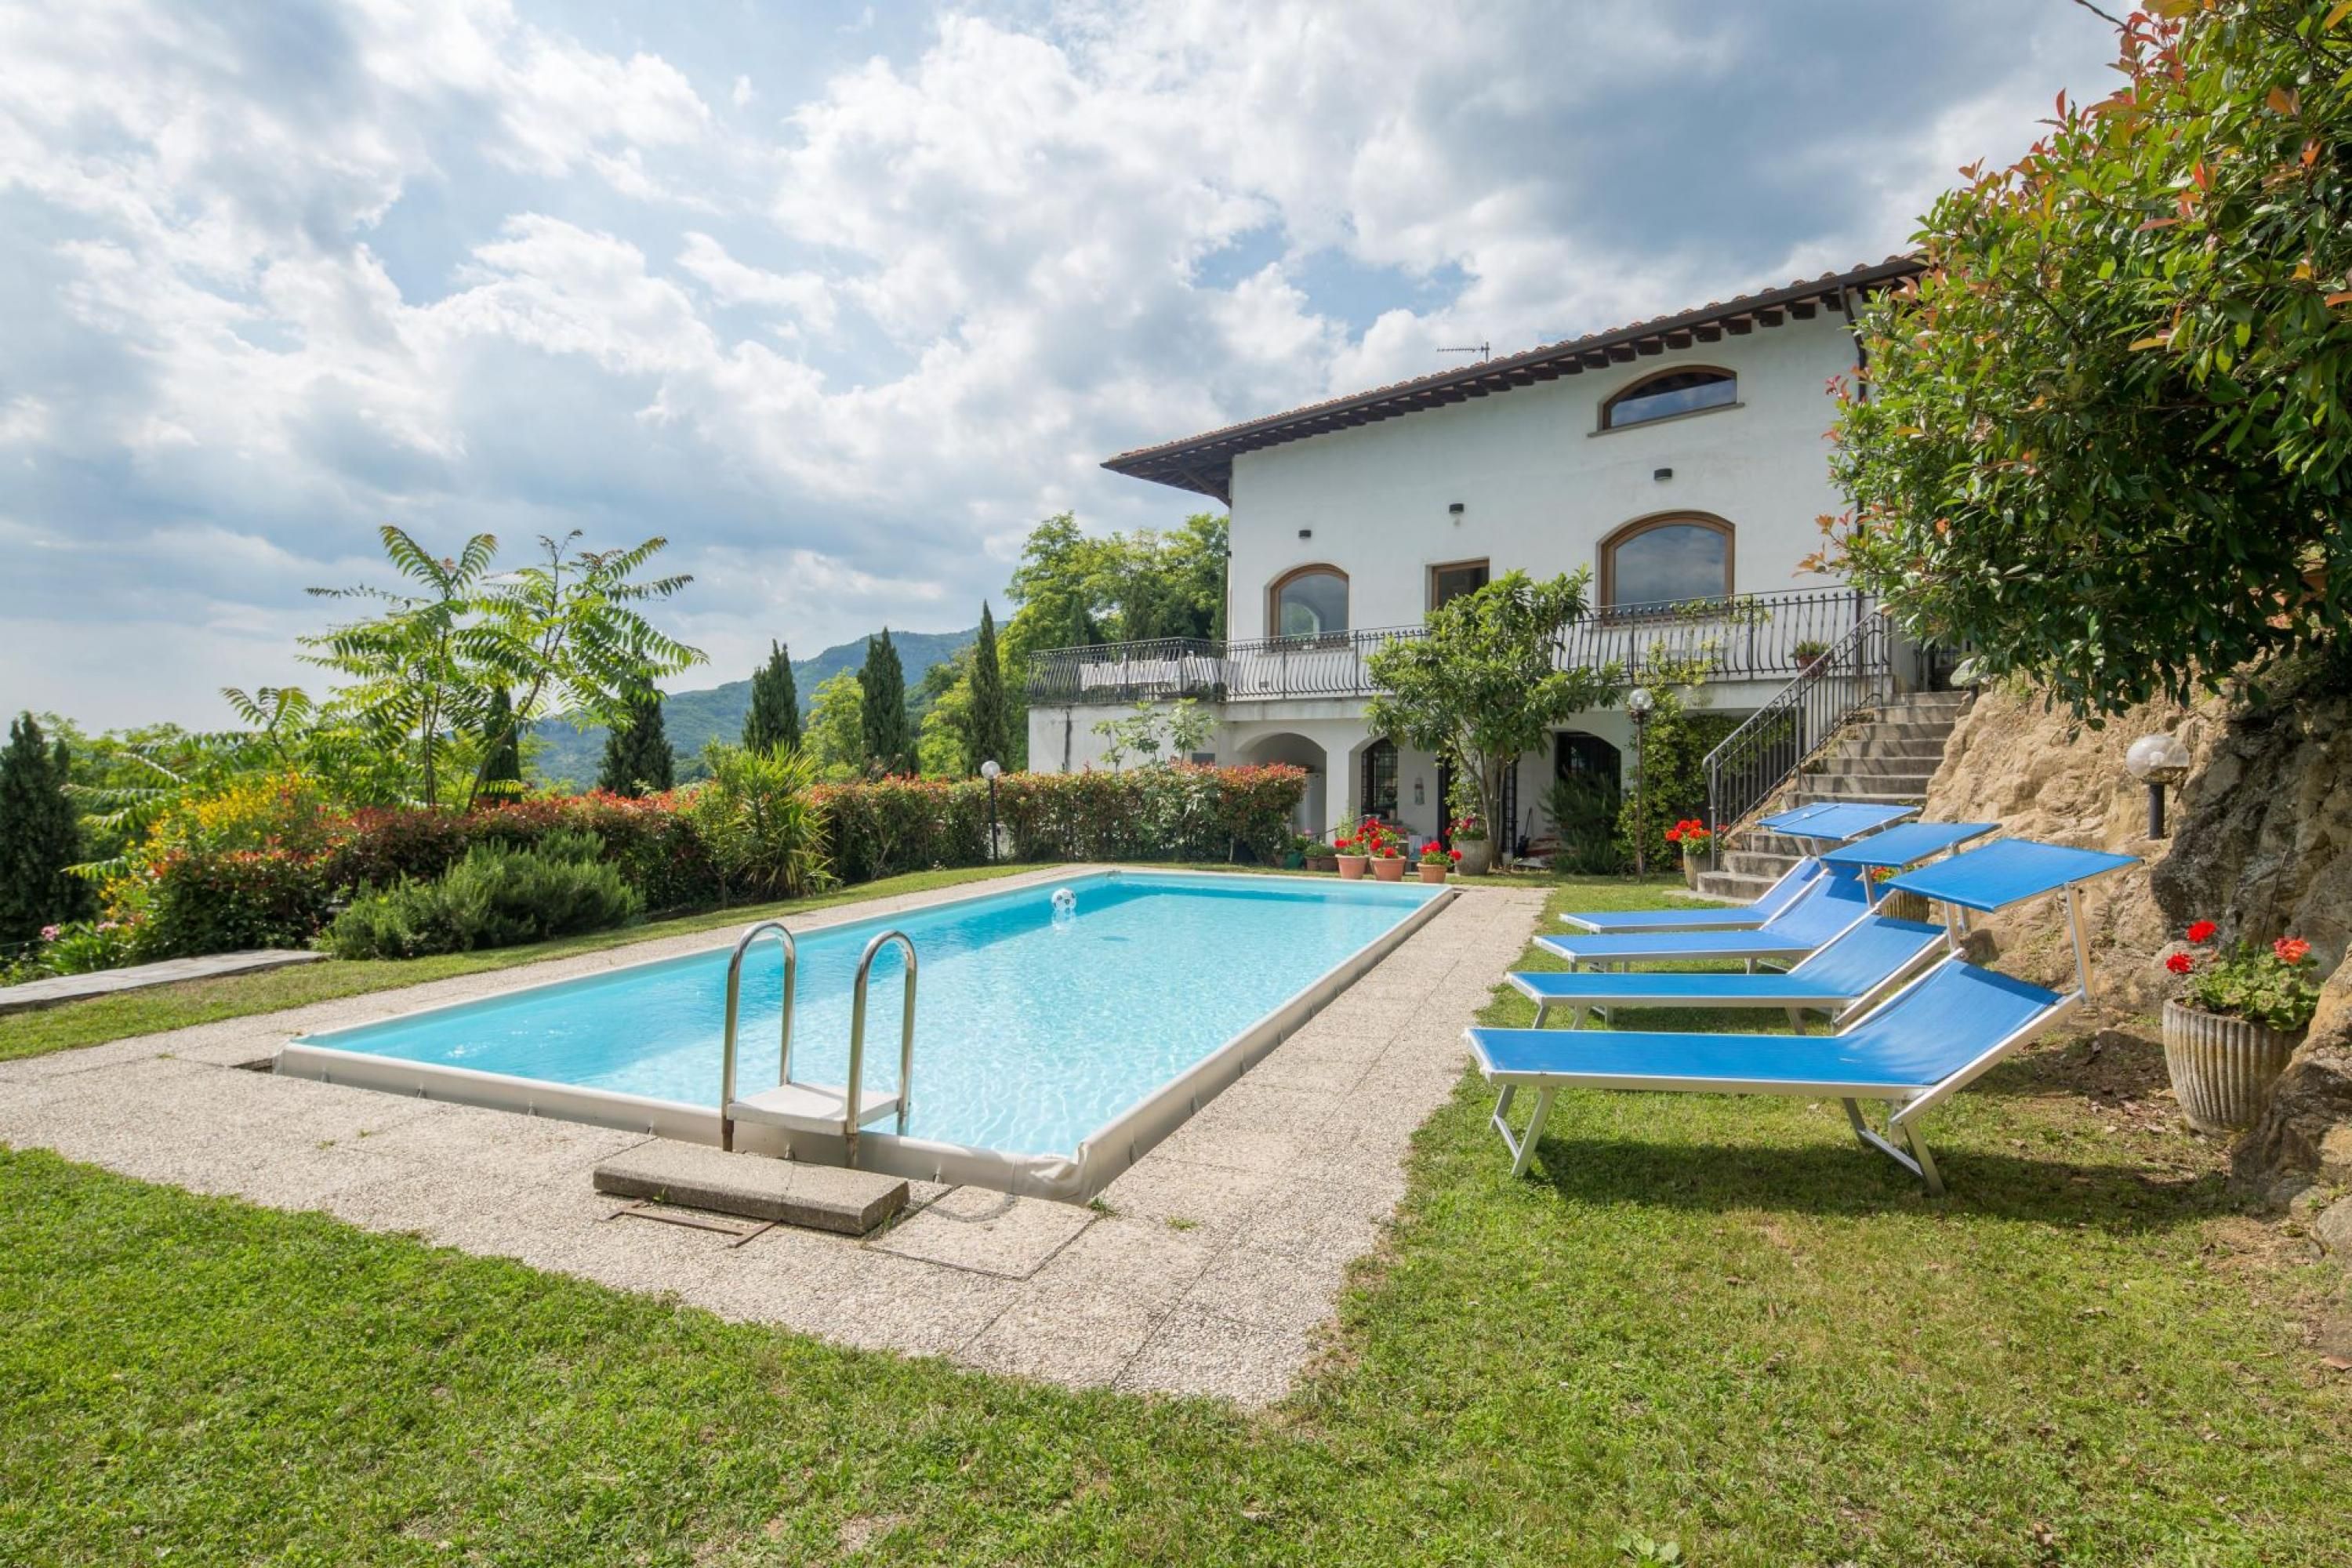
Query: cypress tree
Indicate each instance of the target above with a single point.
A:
(990, 733)
(775, 717)
(501, 737)
(39, 837)
(889, 739)
(638, 758)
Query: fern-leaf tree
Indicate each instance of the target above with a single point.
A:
(774, 719)
(889, 739)
(501, 747)
(38, 836)
(638, 758)
(990, 718)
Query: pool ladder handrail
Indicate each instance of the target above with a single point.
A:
(734, 1005)
(852, 1094)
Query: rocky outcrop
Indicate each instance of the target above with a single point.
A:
(2305, 1136)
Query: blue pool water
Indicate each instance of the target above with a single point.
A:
(1030, 1032)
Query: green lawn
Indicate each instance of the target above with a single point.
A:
(241, 995)
(1713, 1324)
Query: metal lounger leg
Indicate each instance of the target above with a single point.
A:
(1522, 1148)
(1542, 1007)
(1911, 1153)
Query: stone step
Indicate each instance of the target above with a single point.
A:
(1754, 863)
(1848, 787)
(1809, 796)
(696, 1176)
(1731, 885)
(1903, 730)
(1951, 702)
(1872, 743)
(1847, 765)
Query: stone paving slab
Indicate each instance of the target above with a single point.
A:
(58, 988)
(695, 1175)
(1210, 1269)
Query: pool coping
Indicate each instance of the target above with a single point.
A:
(1102, 1156)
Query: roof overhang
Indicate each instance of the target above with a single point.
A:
(1205, 463)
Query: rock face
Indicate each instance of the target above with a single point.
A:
(2262, 844)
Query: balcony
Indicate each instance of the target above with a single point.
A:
(1755, 636)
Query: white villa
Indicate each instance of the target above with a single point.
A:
(1683, 458)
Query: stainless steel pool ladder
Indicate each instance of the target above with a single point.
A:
(812, 1107)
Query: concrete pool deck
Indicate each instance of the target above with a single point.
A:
(1206, 1269)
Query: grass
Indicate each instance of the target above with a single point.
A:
(1711, 1323)
(149, 1011)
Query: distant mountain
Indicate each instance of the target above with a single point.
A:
(692, 719)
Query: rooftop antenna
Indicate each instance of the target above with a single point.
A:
(1483, 350)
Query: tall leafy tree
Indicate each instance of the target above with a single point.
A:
(502, 746)
(1485, 685)
(889, 740)
(988, 722)
(2108, 441)
(836, 727)
(638, 758)
(775, 717)
(38, 836)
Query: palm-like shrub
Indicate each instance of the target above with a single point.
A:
(760, 819)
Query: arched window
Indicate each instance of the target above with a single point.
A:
(1680, 555)
(1670, 393)
(1311, 601)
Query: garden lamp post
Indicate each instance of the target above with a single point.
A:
(1639, 705)
(989, 770)
(2156, 761)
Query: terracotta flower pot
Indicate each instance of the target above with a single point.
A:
(1389, 867)
(1432, 873)
(1351, 867)
(1478, 854)
(1323, 863)
(2222, 1068)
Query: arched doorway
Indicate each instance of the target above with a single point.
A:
(1299, 752)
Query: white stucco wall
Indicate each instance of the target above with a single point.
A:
(1540, 489)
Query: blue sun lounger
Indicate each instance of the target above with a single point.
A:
(1840, 978)
(1924, 1045)
(1829, 823)
(1906, 844)
(1827, 905)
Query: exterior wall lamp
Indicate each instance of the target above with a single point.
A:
(1639, 704)
(2156, 761)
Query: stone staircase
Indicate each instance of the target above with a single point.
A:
(1885, 759)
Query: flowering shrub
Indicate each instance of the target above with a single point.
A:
(1691, 834)
(1469, 826)
(1435, 854)
(2276, 986)
(83, 947)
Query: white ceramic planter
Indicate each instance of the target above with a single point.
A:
(2222, 1068)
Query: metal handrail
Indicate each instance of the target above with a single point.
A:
(734, 1005)
(1764, 753)
(853, 1092)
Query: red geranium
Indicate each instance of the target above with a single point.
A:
(2202, 931)
(2180, 963)
(2291, 949)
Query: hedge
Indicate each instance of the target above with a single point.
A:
(197, 901)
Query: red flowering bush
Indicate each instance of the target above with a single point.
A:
(2277, 987)
(1690, 833)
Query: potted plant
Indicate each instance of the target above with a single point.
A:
(1693, 835)
(1386, 849)
(2242, 1013)
(1354, 853)
(1317, 854)
(1436, 861)
(1468, 831)
(1902, 904)
(1810, 654)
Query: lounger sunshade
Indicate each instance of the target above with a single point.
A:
(1869, 957)
(1730, 916)
(1834, 822)
(1828, 905)
(1930, 1041)
(2008, 872)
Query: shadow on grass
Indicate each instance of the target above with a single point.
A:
(1847, 1179)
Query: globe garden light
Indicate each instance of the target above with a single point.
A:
(989, 770)
(2156, 761)
(1639, 703)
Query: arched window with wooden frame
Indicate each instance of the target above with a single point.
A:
(1691, 389)
(1668, 557)
(1308, 601)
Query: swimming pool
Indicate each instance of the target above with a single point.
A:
(1051, 1047)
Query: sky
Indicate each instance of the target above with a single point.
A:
(839, 299)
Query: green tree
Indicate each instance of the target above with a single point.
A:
(501, 773)
(1485, 685)
(775, 717)
(889, 742)
(1669, 780)
(943, 734)
(2106, 440)
(38, 836)
(836, 726)
(988, 728)
(638, 758)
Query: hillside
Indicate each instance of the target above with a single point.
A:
(695, 718)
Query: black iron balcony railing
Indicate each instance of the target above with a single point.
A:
(1753, 637)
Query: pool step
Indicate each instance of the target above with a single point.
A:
(810, 1107)
(784, 1192)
